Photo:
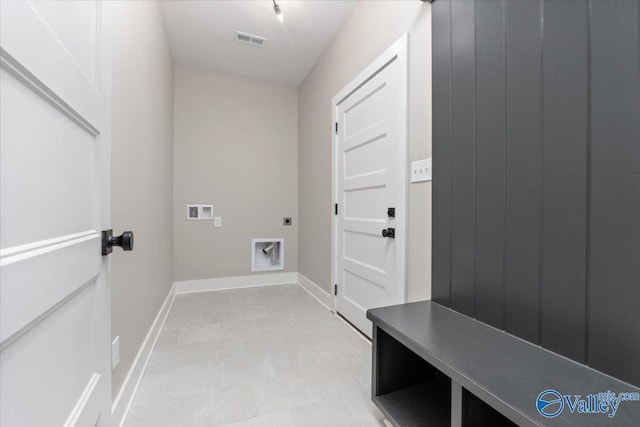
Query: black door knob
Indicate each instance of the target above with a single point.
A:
(125, 241)
(389, 232)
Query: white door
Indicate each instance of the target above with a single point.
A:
(370, 179)
(54, 183)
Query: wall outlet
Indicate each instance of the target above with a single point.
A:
(421, 170)
(217, 221)
(115, 353)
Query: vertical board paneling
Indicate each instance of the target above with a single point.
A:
(564, 177)
(614, 271)
(523, 168)
(463, 156)
(490, 165)
(441, 238)
(536, 142)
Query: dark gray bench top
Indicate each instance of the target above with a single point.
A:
(502, 370)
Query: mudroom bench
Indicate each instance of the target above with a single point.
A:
(433, 366)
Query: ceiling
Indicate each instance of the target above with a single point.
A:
(201, 33)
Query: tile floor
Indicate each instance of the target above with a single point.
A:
(266, 356)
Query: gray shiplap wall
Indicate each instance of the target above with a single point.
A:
(536, 196)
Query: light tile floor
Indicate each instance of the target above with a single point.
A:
(266, 356)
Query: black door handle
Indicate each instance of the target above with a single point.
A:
(389, 232)
(125, 241)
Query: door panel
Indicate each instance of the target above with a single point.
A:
(364, 247)
(373, 274)
(371, 181)
(371, 176)
(47, 178)
(31, 45)
(365, 109)
(370, 156)
(366, 203)
(75, 26)
(25, 296)
(27, 376)
(54, 175)
(358, 289)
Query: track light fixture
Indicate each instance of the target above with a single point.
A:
(278, 11)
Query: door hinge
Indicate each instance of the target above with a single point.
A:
(335, 290)
(336, 209)
(336, 128)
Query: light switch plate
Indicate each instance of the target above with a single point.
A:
(421, 170)
(115, 353)
(217, 221)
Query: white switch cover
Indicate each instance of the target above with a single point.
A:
(217, 221)
(421, 170)
(115, 353)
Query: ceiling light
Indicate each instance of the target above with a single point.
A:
(278, 11)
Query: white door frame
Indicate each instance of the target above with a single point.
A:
(399, 52)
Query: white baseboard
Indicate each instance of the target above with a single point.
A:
(122, 402)
(315, 291)
(222, 283)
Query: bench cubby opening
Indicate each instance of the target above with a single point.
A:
(408, 389)
(475, 413)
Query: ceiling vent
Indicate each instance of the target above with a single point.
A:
(250, 39)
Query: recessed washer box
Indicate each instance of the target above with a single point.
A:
(267, 254)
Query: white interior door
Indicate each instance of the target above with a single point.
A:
(371, 178)
(54, 179)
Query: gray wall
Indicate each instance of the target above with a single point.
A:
(536, 143)
(369, 31)
(142, 174)
(235, 148)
